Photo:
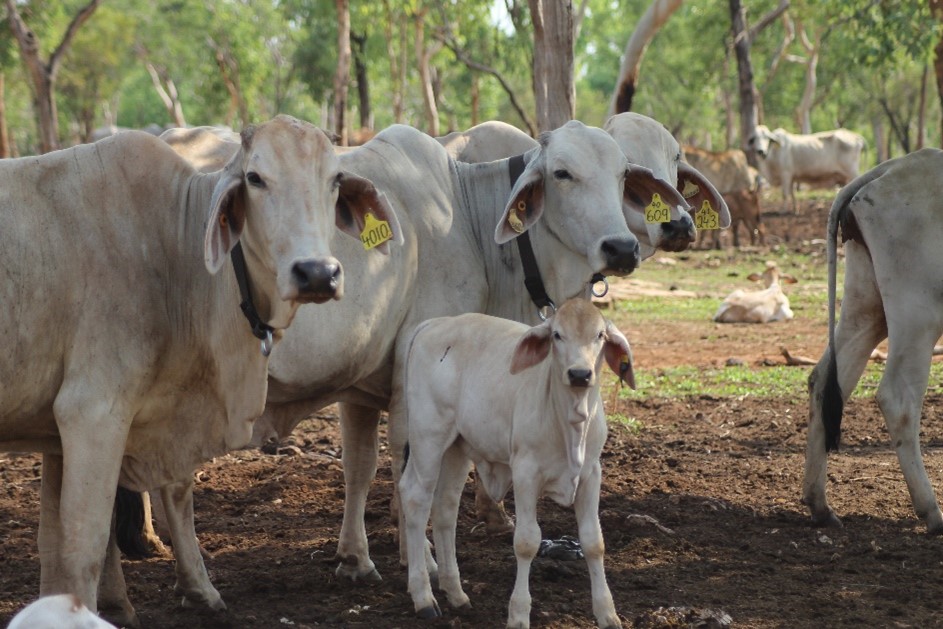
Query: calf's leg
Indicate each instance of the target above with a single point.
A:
(526, 545)
(594, 548)
(448, 493)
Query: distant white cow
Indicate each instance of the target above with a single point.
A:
(824, 159)
(763, 306)
(891, 221)
(60, 611)
(524, 405)
(143, 354)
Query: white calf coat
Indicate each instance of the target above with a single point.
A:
(60, 611)
(523, 404)
(762, 306)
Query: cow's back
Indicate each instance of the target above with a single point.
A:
(727, 170)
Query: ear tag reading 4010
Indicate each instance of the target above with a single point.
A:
(707, 217)
(657, 211)
(375, 232)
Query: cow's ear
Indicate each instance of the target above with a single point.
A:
(618, 354)
(226, 220)
(358, 197)
(533, 347)
(526, 204)
(755, 277)
(696, 189)
(640, 190)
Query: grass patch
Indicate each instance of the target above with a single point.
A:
(634, 425)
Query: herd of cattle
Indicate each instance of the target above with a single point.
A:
(175, 298)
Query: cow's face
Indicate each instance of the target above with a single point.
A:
(281, 196)
(760, 140)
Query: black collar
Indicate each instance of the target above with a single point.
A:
(532, 280)
(260, 329)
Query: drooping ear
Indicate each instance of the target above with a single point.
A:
(641, 186)
(618, 354)
(358, 197)
(533, 347)
(755, 277)
(696, 190)
(788, 279)
(526, 204)
(226, 220)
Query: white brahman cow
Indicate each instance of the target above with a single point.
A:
(59, 611)
(523, 403)
(891, 222)
(738, 182)
(823, 159)
(762, 306)
(127, 361)
(459, 222)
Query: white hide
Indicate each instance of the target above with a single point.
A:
(762, 306)
(60, 611)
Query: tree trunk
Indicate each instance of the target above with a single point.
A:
(363, 85)
(747, 90)
(475, 99)
(936, 7)
(396, 97)
(229, 71)
(43, 74)
(4, 133)
(554, 91)
(167, 95)
(654, 18)
(880, 142)
(423, 56)
(804, 110)
(342, 76)
(922, 109)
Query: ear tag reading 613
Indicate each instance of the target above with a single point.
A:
(657, 211)
(707, 217)
(375, 232)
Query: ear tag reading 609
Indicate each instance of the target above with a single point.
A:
(657, 211)
(707, 217)
(375, 232)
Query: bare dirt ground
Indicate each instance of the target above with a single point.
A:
(721, 476)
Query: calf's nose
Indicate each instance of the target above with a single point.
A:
(579, 377)
(621, 254)
(316, 281)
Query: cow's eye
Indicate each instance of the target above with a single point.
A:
(556, 336)
(337, 181)
(562, 174)
(254, 180)
(600, 335)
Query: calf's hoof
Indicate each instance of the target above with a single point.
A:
(121, 617)
(430, 613)
(348, 570)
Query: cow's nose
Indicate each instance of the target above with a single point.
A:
(678, 234)
(316, 281)
(621, 254)
(579, 377)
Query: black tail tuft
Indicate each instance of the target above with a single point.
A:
(129, 524)
(405, 456)
(832, 405)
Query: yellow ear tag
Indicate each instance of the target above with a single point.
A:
(690, 189)
(657, 211)
(707, 217)
(375, 232)
(514, 220)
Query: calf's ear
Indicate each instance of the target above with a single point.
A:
(618, 354)
(226, 221)
(696, 189)
(533, 347)
(358, 197)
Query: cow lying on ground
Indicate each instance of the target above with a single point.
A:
(823, 159)
(763, 306)
(739, 183)
(524, 405)
(141, 364)
(59, 611)
(459, 220)
(892, 223)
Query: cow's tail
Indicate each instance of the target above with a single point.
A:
(832, 399)
(129, 525)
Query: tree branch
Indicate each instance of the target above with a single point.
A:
(80, 18)
(765, 21)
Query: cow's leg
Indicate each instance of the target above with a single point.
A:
(94, 431)
(860, 328)
(526, 543)
(193, 583)
(594, 548)
(448, 494)
(51, 576)
(113, 603)
(417, 486)
(359, 456)
(900, 396)
(492, 513)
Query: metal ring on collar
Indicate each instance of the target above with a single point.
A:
(605, 287)
(545, 312)
(267, 343)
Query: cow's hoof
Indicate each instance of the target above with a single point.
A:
(371, 577)
(935, 530)
(430, 613)
(827, 519)
(121, 617)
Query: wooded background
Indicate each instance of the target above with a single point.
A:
(68, 67)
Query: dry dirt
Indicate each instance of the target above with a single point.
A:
(721, 476)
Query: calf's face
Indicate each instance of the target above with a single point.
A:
(576, 340)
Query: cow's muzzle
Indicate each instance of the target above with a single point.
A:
(317, 281)
(579, 377)
(677, 235)
(621, 255)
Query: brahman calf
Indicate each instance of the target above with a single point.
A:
(763, 306)
(523, 403)
(892, 223)
(60, 611)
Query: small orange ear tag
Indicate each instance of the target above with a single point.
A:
(707, 217)
(223, 220)
(514, 220)
(657, 211)
(690, 189)
(375, 232)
